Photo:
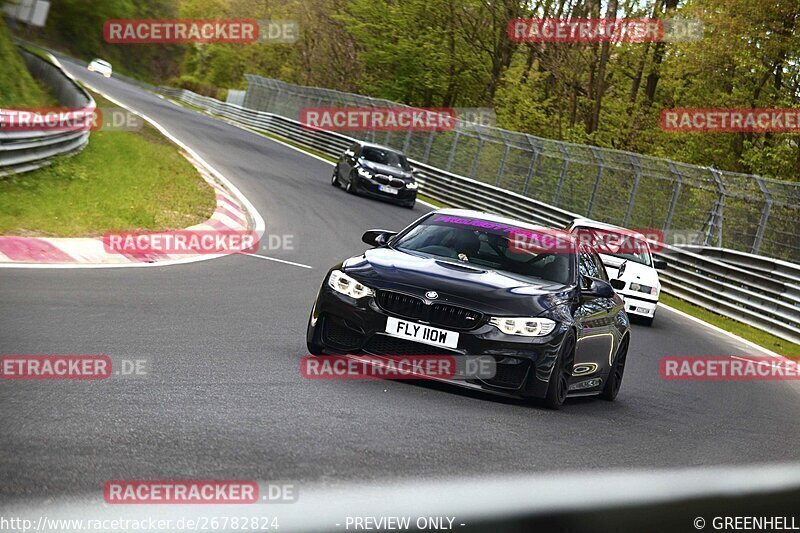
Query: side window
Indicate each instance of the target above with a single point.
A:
(586, 264)
(601, 269)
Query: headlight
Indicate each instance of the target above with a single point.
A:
(342, 283)
(643, 288)
(364, 172)
(524, 326)
(412, 185)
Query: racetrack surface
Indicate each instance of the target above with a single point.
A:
(226, 400)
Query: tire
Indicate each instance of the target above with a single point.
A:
(335, 177)
(614, 380)
(410, 205)
(315, 349)
(647, 320)
(558, 386)
(350, 187)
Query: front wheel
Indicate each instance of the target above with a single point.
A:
(350, 187)
(335, 177)
(558, 386)
(614, 380)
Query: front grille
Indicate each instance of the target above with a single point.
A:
(402, 304)
(338, 334)
(509, 376)
(386, 345)
(389, 180)
(444, 315)
(454, 317)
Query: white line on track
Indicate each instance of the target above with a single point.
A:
(279, 260)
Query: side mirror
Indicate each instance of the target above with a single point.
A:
(596, 288)
(659, 264)
(377, 237)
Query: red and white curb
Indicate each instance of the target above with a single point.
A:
(229, 215)
(233, 212)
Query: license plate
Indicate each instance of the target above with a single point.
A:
(387, 189)
(421, 333)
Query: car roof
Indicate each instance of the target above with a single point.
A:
(365, 144)
(491, 217)
(594, 224)
(103, 61)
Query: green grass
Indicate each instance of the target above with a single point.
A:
(762, 338)
(17, 86)
(122, 181)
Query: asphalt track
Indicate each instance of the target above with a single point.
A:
(225, 398)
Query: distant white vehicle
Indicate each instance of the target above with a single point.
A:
(630, 265)
(101, 67)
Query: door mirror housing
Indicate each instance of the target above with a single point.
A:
(596, 288)
(377, 237)
(659, 264)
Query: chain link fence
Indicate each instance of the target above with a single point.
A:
(701, 205)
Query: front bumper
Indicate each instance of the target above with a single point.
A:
(369, 187)
(636, 304)
(523, 364)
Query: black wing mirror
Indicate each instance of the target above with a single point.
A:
(658, 264)
(377, 237)
(596, 288)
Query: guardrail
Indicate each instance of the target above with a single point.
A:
(29, 149)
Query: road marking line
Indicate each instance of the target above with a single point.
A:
(279, 260)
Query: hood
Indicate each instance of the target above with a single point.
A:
(488, 291)
(386, 169)
(634, 272)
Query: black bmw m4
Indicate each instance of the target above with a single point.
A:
(459, 282)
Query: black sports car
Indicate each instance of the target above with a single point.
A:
(456, 282)
(376, 171)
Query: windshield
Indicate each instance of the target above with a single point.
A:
(616, 244)
(489, 245)
(385, 157)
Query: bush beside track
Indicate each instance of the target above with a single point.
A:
(122, 181)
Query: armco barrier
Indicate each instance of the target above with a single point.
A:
(733, 284)
(21, 151)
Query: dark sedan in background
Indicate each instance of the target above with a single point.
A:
(376, 171)
(456, 282)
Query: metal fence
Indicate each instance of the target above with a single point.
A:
(723, 209)
(741, 286)
(28, 149)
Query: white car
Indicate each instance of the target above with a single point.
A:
(101, 67)
(629, 263)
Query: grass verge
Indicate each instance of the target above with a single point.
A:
(762, 338)
(122, 181)
(17, 86)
